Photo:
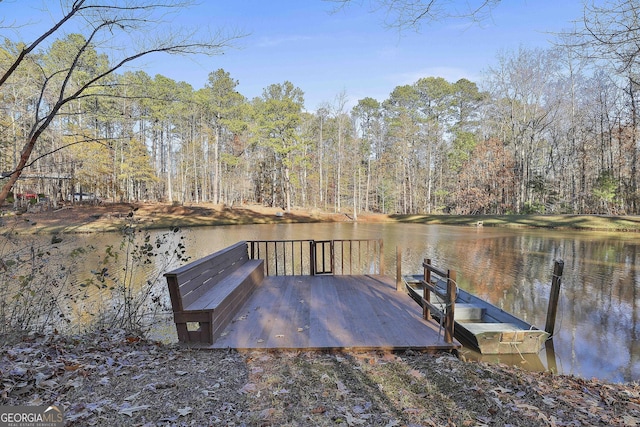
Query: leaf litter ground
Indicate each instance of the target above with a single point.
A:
(113, 379)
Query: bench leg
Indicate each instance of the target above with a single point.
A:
(204, 333)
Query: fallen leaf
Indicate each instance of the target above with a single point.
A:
(248, 388)
(131, 409)
(132, 397)
(416, 374)
(528, 407)
(47, 384)
(267, 413)
(74, 367)
(352, 421)
(630, 421)
(185, 411)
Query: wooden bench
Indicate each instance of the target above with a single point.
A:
(205, 294)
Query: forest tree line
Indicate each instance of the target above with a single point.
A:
(546, 131)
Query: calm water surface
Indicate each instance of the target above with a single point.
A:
(597, 325)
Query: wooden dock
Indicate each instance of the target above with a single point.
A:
(331, 312)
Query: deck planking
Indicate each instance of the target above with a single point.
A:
(331, 313)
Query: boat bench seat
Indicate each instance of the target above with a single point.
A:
(468, 312)
(478, 328)
(206, 294)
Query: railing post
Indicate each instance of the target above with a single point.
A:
(426, 293)
(312, 255)
(332, 256)
(380, 254)
(552, 310)
(451, 306)
(266, 258)
(398, 269)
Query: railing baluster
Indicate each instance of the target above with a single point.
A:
(312, 258)
(266, 250)
(281, 256)
(284, 257)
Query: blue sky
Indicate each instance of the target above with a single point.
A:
(325, 53)
(351, 50)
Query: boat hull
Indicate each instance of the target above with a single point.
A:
(489, 329)
(499, 338)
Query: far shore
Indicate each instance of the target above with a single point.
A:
(106, 217)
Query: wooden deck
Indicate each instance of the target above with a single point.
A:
(331, 313)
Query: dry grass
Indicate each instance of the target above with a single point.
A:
(569, 222)
(113, 216)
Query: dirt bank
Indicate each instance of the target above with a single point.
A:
(86, 218)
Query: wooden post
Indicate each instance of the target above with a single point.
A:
(381, 246)
(426, 293)
(312, 258)
(451, 306)
(552, 365)
(398, 269)
(554, 297)
(427, 272)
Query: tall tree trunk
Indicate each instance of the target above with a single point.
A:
(633, 196)
(216, 166)
(287, 189)
(24, 157)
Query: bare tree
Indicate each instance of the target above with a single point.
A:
(127, 29)
(611, 33)
(411, 14)
(523, 85)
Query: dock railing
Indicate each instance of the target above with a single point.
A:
(316, 257)
(443, 284)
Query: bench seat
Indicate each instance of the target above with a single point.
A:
(206, 294)
(225, 288)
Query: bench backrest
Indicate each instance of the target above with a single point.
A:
(191, 281)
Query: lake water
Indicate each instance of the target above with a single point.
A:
(597, 326)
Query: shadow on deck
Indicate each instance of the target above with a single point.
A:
(341, 312)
